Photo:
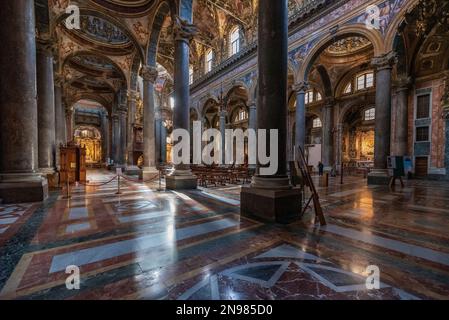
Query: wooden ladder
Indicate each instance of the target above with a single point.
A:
(301, 166)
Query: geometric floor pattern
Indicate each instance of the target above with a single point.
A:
(149, 244)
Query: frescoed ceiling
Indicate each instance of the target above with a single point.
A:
(105, 54)
(99, 29)
(348, 46)
(130, 7)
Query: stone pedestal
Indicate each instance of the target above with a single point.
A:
(133, 171)
(379, 177)
(18, 188)
(178, 181)
(19, 177)
(281, 206)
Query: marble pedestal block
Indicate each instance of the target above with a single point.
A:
(281, 206)
(20, 188)
(379, 177)
(149, 173)
(53, 179)
(181, 182)
(133, 171)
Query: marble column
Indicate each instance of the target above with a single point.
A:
(327, 146)
(132, 98)
(401, 132)
(338, 149)
(19, 177)
(158, 132)
(300, 116)
(105, 136)
(149, 75)
(69, 123)
(271, 198)
(223, 134)
(252, 115)
(122, 112)
(182, 177)
(60, 138)
(46, 111)
(115, 139)
(163, 144)
(383, 65)
(252, 122)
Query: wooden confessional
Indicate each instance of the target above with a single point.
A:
(73, 164)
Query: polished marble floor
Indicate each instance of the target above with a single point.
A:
(149, 244)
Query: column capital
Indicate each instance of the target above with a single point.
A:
(132, 95)
(252, 105)
(299, 87)
(58, 79)
(385, 61)
(403, 83)
(68, 110)
(223, 113)
(149, 73)
(122, 110)
(46, 46)
(329, 102)
(183, 30)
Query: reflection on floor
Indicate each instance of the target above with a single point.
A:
(146, 244)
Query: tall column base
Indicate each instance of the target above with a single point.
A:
(149, 173)
(19, 188)
(181, 180)
(51, 175)
(281, 206)
(132, 170)
(379, 177)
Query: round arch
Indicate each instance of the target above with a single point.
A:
(390, 35)
(92, 97)
(84, 10)
(91, 53)
(162, 12)
(210, 102)
(354, 30)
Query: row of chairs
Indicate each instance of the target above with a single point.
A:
(221, 175)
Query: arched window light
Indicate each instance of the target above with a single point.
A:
(235, 40)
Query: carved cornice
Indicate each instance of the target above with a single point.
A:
(386, 61)
(149, 73)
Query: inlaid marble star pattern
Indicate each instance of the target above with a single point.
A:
(148, 244)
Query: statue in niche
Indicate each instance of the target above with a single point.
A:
(139, 136)
(139, 111)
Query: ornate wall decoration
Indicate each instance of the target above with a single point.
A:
(348, 45)
(388, 10)
(101, 30)
(131, 7)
